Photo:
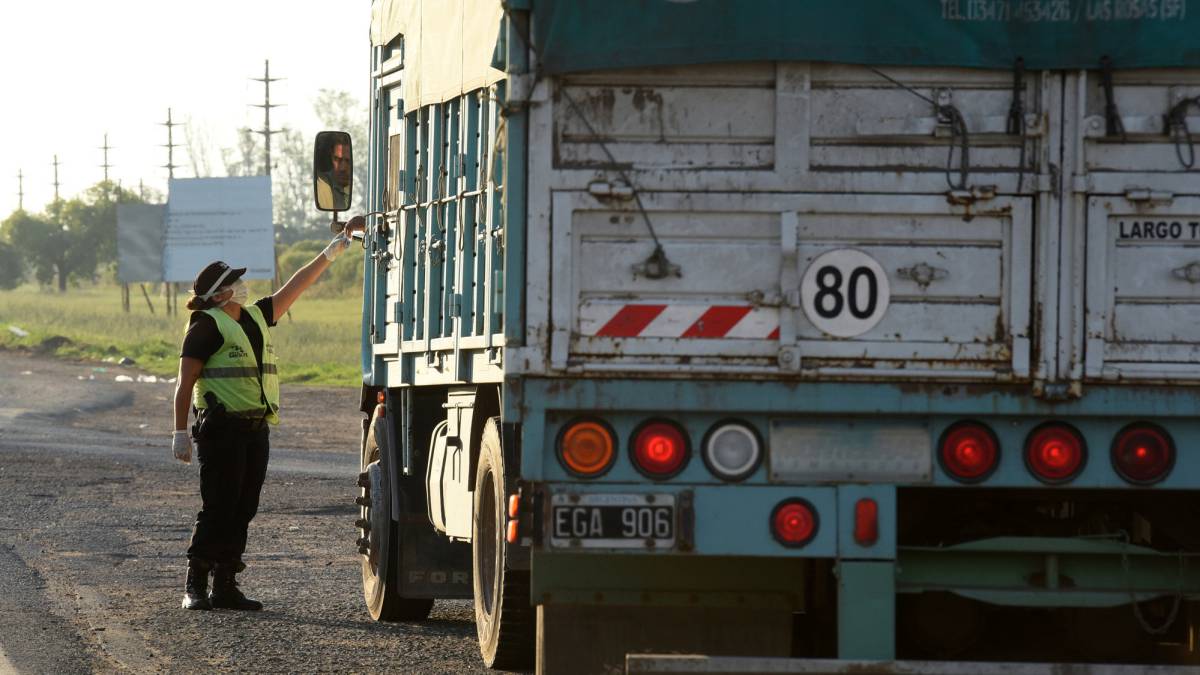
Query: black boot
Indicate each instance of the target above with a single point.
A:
(225, 593)
(195, 592)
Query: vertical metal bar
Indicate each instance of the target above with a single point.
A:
(488, 277)
(469, 210)
(367, 353)
(453, 189)
(514, 188)
(423, 217)
(866, 610)
(433, 132)
(412, 152)
(378, 242)
(1074, 224)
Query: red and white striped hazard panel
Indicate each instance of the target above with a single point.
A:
(611, 320)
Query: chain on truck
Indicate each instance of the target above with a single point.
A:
(863, 336)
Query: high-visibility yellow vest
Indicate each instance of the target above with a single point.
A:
(232, 374)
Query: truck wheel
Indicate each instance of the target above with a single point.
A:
(504, 619)
(379, 545)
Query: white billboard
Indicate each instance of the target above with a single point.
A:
(139, 242)
(225, 219)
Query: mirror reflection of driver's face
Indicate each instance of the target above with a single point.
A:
(340, 156)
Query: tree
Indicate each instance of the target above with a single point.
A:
(242, 160)
(41, 242)
(73, 236)
(12, 269)
(195, 139)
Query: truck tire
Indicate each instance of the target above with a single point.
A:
(379, 546)
(504, 619)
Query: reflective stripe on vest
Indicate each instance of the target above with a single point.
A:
(232, 374)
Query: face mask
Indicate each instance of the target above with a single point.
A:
(240, 293)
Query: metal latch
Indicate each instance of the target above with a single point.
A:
(1189, 273)
(923, 274)
(1148, 195)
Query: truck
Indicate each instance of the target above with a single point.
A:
(857, 335)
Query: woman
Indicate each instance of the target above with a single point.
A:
(228, 374)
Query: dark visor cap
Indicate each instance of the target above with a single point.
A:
(211, 274)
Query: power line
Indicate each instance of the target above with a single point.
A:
(171, 145)
(266, 105)
(106, 166)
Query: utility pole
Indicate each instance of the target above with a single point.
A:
(171, 145)
(20, 190)
(56, 178)
(266, 132)
(266, 105)
(169, 287)
(106, 166)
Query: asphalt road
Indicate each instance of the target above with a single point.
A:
(95, 517)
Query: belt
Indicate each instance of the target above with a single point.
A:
(246, 423)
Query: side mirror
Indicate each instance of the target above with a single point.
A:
(333, 171)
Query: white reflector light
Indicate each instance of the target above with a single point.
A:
(732, 451)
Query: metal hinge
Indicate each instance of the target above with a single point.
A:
(1148, 195)
(976, 193)
(610, 190)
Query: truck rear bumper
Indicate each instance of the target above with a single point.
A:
(730, 665)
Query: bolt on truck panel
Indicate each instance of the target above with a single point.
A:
(680, 337)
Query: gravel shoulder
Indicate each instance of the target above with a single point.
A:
(97, 517)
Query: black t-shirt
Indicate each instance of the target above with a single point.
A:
(203, 338)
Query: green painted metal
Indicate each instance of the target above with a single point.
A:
(866, 609)
(374, 287)
(1048, 572)
(576, 35)
(511, 279)
(597, 578)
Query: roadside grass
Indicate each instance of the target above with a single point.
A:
(319, 345)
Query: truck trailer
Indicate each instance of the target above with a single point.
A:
(863, 334)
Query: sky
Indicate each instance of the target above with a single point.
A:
(75, 70)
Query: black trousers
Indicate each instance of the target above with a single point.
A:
(233, 465)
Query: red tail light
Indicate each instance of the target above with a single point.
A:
(866, 522)
(1143, 453)
(794, 522)
(660, 449)
(969, 452)
(1055, 452)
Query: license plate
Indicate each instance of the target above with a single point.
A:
(645, 521)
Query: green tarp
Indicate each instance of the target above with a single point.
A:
(574, 35)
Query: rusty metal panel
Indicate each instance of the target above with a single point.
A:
(1132, 226)
(1143, 305)
(955, 281)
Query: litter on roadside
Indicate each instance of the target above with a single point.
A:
(18, 331)
(123, 378)
(148, 379)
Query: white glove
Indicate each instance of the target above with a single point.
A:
(334, 249)
(181, 445)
